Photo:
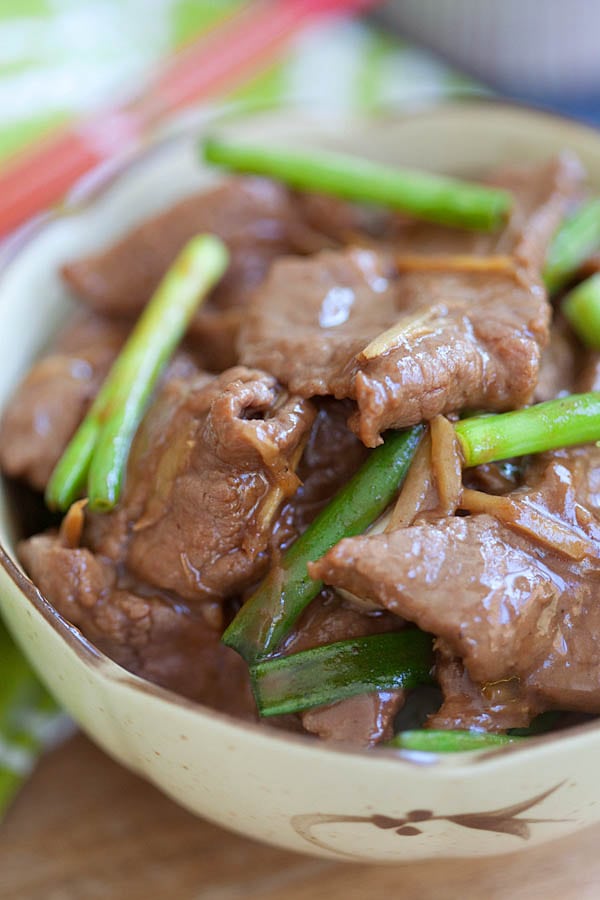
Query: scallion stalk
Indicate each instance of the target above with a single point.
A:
(432, 741)
(576, 239)
(581, 307)
(427, 196)
(270, 614)
(545, 426)
(97, 454)
(327, 674)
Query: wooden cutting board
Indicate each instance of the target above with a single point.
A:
(85, 829)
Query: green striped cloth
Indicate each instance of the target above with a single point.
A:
(29, 719)
(61, 58)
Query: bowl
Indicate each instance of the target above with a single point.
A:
(286, 789)
(523, 47)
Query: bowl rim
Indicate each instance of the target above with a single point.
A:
(83, 195)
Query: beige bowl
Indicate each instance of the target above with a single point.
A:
(289, 790)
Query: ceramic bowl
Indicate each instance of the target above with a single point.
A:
(524, 47)
(287, 789)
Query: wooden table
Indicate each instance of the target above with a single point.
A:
(85, 829)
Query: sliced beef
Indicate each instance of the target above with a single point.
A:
(331, 457)
(469, 338)
(152, 636)
(589, 376)
(364, 720)
(84, 329)
(558, 376)
(559, 364)
(252, 215)
(344, 222)
(312, 316)
(542, 193)
(361, 721)
(407, 337)
(256, 219)
(210, 466)
(54, 396)
(466, 705)
(495, 478)
(523, 582)
(464, 340)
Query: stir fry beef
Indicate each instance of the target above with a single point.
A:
(589, 377)
(415, 320)
(108, 533)
(211, 464)
(449, 339)
(252, 215)
(409, 337)
(363, 720)
(495, 478)
(85, 330)
(542, 192)
(312, 316)
(257, 220)
(343, 222)
(559, 375)
(466, 705)
(153, 636)
(331, 457)
(559, 365)
(54, 396)
(523, 582)
(475, 342)
(542, 195)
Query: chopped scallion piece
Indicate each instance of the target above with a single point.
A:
(576, 239)
(378, 662)
(98, 452)
(545, 426)
(581, 307)
(431, 741)
(431, 197)
(271, 612)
